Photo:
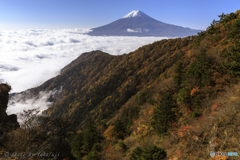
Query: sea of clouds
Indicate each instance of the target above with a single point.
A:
(30, 57)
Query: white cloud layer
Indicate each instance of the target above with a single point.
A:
(21, 102)
(30, 57)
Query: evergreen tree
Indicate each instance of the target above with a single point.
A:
(233, 63)
(178, 74)
(153, 153)
(164, 114)
(199, 73)
(86, 143)
(120, 129)
(150, 153)
(233, 52)
(76, 144)
(91, 136)
(137, 154)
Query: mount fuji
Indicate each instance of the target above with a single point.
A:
(137, 23)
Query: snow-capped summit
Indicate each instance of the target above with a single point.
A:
(137, 23)
(134, 13)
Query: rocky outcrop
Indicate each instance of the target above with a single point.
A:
(7, 123)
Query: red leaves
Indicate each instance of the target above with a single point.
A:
(174, 125)
(109, 147)
(184, 130)
(194, 90)
(215, 107)
(150, 112)
(179, 153)
(188, 110)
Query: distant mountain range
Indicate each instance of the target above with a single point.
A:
(137, 23)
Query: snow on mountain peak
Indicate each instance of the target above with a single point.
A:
(134, 13)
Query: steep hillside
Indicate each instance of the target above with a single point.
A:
(101, 84)
(173, 99)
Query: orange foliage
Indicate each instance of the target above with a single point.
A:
(174, 125)
(194, 90)
(180, 134)
(150, 112)
(184, 130)
(109, 147)
(215, 107)
(219, 158)
(145, 113)
(217, 140)
(140, 129)
(179, 153)
(188, 110)
(109, 133)
(78, 131)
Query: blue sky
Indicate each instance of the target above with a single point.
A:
(38, 14)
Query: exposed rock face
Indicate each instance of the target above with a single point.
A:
(7, 123)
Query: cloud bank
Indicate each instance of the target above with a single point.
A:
(26, 101)
(19, 103)
(30, 57)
